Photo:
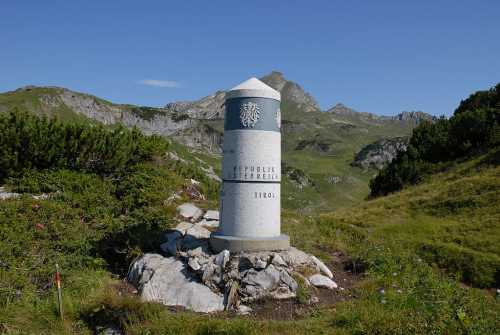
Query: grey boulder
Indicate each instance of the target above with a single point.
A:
(167, 281)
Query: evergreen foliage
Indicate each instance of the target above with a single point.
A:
(473, 126)
(28, 142)
(103, 197)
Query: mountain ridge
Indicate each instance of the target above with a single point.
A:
(318, 147)
(293, 97)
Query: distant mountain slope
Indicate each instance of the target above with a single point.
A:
(318, 148)
(209, 107)
(293, 99)
(83, 108)
(405, 117)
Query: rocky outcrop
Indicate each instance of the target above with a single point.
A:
(413, 118)
(167, 280)
(416, 117)
(380, 153)
(209, 107)
(291, 93)
(341, 109)
(212, 106)
(196, 278)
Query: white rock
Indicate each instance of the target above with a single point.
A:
(211, 224)
(208, 271)
(194, 264)
(171, 284)
(4, 194)
(263, 281)
(113, 330)
(173, 244)
(211, 215)
(297, 258)
(277, 260)
(322, 267)
(282, 293)
(313, 300)
(171, 247)
(196, 232)
(189, 211)
(322, 281)
(244, 310)
(287, 279)
(183, 226)
(260, 264)
(222, 258)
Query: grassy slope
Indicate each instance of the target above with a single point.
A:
(453, 220)
(399, 242)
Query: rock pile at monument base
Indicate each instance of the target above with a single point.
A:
(192, 276)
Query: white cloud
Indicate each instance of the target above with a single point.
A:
(159, 83)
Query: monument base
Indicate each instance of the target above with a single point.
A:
(234, 244)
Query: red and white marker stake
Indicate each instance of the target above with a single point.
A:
(59, 292)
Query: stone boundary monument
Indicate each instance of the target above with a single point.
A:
(251, 171)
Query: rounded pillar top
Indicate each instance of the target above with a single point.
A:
(253, 88)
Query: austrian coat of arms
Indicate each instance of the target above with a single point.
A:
(249, 114)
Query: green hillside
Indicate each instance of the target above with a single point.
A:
(411, 251)
(323, 146)
(424, 259)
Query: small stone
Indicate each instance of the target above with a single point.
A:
(244, 310)
(260, 264)
(287, 279)
(322, 281)
(196, 232)
(202, 223)
(322, 267)
(263, 281)
(313, 300)
(211, 215)
(183, 226)
(282, 293)
(113, 330)
(208, 272)
(189, 211)
(232, 299)
(194, 264)
(222, 258)
(277, 260)
(211, 224)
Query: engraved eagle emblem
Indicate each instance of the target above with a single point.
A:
(249, 114)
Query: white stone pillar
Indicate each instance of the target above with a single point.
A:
(251, 171)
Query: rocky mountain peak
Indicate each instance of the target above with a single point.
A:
(341, 109)
(292, 95)
(275, 79)
(416, 117)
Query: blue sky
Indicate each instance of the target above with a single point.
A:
(383, 57)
